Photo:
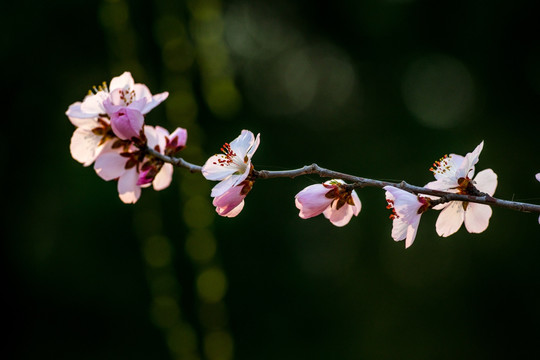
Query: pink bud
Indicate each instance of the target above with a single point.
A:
(176, 141)
(127, 123)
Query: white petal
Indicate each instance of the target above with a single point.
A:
(151, 136)
(242, 143)
(84, 146)
(538, 176)
(357, 203)
(93, 104)
(486, 181)
(124, 81)
(254, 147)
(224, 185)
(450, 219)
(128, 191)
(411, 231)
(155, 101)
(110, 165)
(477, 217)
(399, 229)
(213, 169)
(163, 178)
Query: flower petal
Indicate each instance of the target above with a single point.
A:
(312, 201)
(357, 203)
(450, 219)
(124, 81)
(155, 101)
(477, 217)
(93, 104)
(233, 212)
(214, 170)
(163, 178)
(128, 191)
(110, 165)
(229, 201)
(411, 231)
(242, 143)
(84, 146)
(339, 217)
(224, 185)
(486, 181)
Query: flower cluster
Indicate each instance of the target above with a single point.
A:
(111, 134)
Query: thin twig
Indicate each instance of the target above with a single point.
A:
(360, 182)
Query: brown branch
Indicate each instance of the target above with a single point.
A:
(360, 182)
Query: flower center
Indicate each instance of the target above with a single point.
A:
(339, 193)
(229, 157)
(127, 96)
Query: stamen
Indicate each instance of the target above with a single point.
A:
(442, 165)
(390, 206)
(228, 156)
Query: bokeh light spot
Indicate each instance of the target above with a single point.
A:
(198, 213)
(212, 285)
(218, 345)
(157, 251)
(164, 311)
(201, 245)
(438, 90)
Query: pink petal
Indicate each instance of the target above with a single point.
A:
(84, 146)
(411, 232)
(229, 201)
(178, 138)
(127, 123)
(538, 176)
(477, 217)
(450, 219)
(233, 212)
(339, 217)
(486, 181)
(312, 201)
(163, 178)
(110, 165)
(128, 191)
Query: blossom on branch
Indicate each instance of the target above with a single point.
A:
(407, 209)
(123, 104)
(455, 174)
(231, 202)
(134, 168)
(233, 166)
(337, 201)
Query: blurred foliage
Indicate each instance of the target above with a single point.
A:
(378, 88)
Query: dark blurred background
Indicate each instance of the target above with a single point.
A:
(376, 88)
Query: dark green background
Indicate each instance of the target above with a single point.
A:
(298, 289)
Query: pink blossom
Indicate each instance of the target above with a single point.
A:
(133, 170)
(126, 122)
(231, 202)
(234, 165)
(454, 174)
(332, 198)
(407, 209)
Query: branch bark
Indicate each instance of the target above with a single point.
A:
(361, 182)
